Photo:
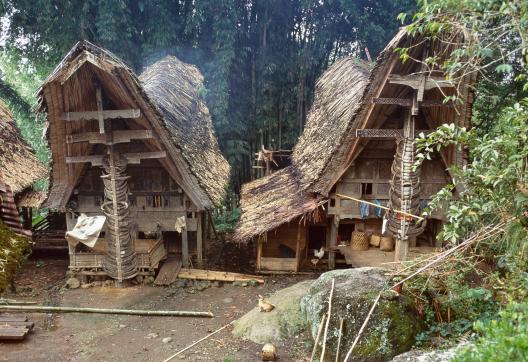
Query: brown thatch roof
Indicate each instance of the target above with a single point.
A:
(31, 198)
(18, 164)
(342, 104)
(167, 96)
(174, 87)
(271, 201)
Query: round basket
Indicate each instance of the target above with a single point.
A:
(386, 243)
(359, 241)
(375, 240)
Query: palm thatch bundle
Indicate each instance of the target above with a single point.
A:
(19, 166)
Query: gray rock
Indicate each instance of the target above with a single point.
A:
(167, 340)
(216, 284)
(108, 283)
(282, 322)
(148, 280)
(228, 300)
(152, 335)
(139, 279)
(179, 283)
(73, 283)
(253, 283)
(391, 329)
(431, 356)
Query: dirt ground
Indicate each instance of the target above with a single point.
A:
(96, 337)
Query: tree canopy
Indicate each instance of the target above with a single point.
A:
(260, 59)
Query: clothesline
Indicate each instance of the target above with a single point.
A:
(380, 206)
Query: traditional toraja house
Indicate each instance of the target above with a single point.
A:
(359, 143)
(139, 151)
(19, 170)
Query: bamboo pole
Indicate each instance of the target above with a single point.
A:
(198, 341)
(328, 320)
(380, 206)
(341, 322)
(319, 331)
(50, 309)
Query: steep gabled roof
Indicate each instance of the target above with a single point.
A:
(342, 104)
(19, 166)
(167, 95)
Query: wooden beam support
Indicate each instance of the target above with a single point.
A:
(385, 133)
(199, 240)
(136, 157)
(420, 81)
(100, 117)
(110, 138)
(185, 246)
(107, 114)
(95, 160)
(334, 226)
(404, 102)
(298, 248)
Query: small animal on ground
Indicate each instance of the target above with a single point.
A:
(264, 305)
(319, 254)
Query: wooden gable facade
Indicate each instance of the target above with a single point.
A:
(125, 147)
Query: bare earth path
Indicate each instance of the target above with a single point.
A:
(92, 337)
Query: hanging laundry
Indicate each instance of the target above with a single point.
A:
(378, 211)
(364, 210)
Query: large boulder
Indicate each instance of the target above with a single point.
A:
(282, 322)
(392, 326)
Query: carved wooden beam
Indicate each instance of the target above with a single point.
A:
(132, 158)
(408, 102)
(111, 138)
(108, 114)
(385, 133)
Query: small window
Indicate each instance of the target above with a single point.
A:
(332, 202)
(366, 188)
(189, 215)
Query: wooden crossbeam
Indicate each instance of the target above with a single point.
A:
(107, 114)
(385, 133)
(408, 102)
(417, 81)
(135, 158)
(110, 138)
(132, 158)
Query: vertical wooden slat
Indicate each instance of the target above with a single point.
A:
(298, 248)
(259, 251)
(334, 224)
(199, 240)
(185, 246)
(100, 117)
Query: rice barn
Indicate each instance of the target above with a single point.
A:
(352, 168)
(140, 153)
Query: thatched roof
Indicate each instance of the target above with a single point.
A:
(174, 87)
(18, 164)
(271, 201)
(167, 95)
(342, 104)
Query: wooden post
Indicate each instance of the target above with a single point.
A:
(298, 248)
(333, 241)
(259, 251)
(401, 250)
(185, 245)
(199, 240)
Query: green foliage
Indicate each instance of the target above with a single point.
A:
(13, 250)
(226, 220)
(502, 339)
(260, 59)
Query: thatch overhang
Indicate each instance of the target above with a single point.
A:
(271, 201)
(343, 103)
(19, 166)
(71, 87)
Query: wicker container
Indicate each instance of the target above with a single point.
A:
(386, 243)
(359, 241)
(375, 240)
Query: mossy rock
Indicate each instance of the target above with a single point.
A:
(282, 322)
(14, 249)
(391, 329)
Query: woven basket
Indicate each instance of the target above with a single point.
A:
(359, 241)
(386, 243)
(375, 240)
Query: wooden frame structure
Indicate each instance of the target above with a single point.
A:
(139, 150)
(359, 141)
